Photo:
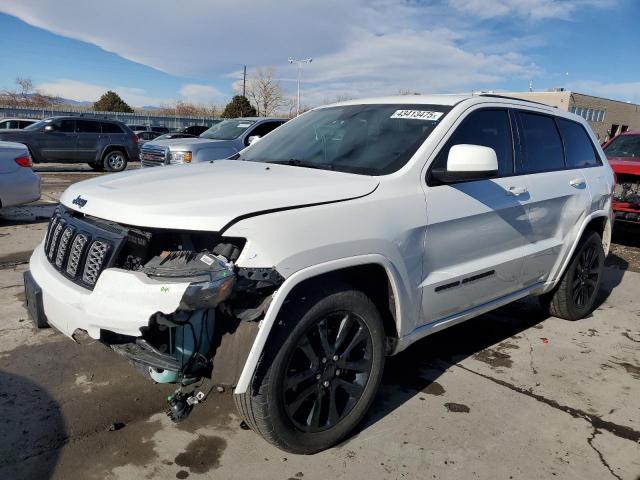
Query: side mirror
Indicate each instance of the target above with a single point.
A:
(49, 128)
(253, 139)
(468, 162)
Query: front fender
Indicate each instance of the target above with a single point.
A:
(295, 279)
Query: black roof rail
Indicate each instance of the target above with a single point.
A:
(493, 95)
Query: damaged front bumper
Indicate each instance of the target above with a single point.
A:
(167, 317)
(122, 301)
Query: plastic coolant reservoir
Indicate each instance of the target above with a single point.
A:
(195, 336)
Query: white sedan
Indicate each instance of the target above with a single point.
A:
(18, 182)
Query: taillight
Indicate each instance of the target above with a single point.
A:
(25, 161)
(135, 139)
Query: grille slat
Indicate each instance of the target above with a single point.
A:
(65, 238)
(78, 249)
(75, 254)
(94, 262)
(54, 239)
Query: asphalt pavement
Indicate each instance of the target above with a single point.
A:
(509, 395)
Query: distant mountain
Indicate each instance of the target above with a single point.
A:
(75, 103)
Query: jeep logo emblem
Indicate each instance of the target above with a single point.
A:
(81, 202)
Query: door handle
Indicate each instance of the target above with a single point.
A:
(577, 182)
(516, 191)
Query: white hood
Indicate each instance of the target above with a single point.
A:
(208, 196)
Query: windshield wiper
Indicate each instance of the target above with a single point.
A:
(294, 162)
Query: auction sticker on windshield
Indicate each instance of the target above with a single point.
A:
(417, 114)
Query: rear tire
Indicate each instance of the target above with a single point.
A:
(319, 373)
(115, 161)
(575, 296)
(98, 167)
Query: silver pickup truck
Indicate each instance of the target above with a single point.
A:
(222, 140)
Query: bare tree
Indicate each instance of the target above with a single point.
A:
(264, 91)
(188, 109)
(26, 95)
(25, 84)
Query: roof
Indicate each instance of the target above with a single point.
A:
(17, 118)
(444, 99)
(440, 99)
(256, 118)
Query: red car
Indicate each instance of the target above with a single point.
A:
(623, 153)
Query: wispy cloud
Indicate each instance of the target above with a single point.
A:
(195, 93)
(82, 91)
(533, 9)
(360, 47)
(626, 91)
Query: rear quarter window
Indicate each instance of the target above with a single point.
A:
(580, 152)
(540, 144)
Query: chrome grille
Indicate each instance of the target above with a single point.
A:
(80, 249)
(62, 247)
(53, 241)
(95, 260)
(153, 156)
(77, 249)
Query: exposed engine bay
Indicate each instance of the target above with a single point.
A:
(206, 339)
(627, 189)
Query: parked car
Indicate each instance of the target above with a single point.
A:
(196, 130)
(18, 183)
(16, 123)
(623, 153)
(103, 144)
(222, 140)
(145, 136)
(138, 127)
(346, 235)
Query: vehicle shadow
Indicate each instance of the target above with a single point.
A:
(416, 370)
(30, 444)
(26, 214)
(611, 277)
(626, 234)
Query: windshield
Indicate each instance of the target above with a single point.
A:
(227, 129)
(38, 125)
(363, 139)
(624, 146)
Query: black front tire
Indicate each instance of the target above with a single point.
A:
(342, 329)
(115, 161)
(576, 294)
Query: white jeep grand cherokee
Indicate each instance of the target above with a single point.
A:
(290, 271)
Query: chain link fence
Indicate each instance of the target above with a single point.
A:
(169, 121)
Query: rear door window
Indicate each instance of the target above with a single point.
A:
(87, 126)
(578, 147)
(66, 125)
(540, 144)
(111, 128)
(488, 128)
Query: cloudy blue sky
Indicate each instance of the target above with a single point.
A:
(153, 52)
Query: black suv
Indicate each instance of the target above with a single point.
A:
(103, 144)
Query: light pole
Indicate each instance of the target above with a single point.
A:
(299, 62)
